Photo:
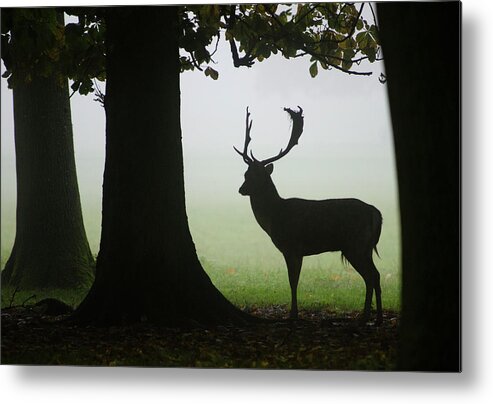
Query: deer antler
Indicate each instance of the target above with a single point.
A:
(248, 127)
(297, 118)
(297, 130)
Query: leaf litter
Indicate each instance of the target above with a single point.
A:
(320, 339)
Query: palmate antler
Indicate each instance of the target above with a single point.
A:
(248, 127)
(297, 130)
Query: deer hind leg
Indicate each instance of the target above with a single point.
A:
(363, 264)
(294, 267)
(378, 291)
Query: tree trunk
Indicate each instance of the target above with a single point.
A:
(147, 267)
(421, 43)
(50, 248)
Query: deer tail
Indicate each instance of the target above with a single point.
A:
(376, 251)
(344, 260)
(377, 229)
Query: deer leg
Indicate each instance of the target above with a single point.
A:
(368, 297)
(378, 293)
(361, 265)
(294, 268)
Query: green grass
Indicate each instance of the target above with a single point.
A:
(13, 297)
(246, 267)
(338, 288)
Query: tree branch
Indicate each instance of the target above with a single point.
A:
(373, 13)
(323, 59)
(320, 57)
(99, 94)
(246, 60)
(351, 33)
(194, 62)
(308, 12)
(348, 36)
(307, 48)
(351, 71)
(238, 61)
(217, 43)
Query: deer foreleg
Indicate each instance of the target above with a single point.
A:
(368, 298)
(294, 269)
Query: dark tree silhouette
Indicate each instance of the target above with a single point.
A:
(50, 248)
(147, 267)
(422, 67)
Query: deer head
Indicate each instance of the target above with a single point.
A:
(258, 175)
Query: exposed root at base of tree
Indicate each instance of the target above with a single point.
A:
(319, 340)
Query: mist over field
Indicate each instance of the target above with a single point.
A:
(346, 150)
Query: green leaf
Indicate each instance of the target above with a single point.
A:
(346, 65)
(371, 53)
(374, 30)
(348, 54)
(212, 73)
(314, 69)
(363, 38)
(345, 44)
(75, 85)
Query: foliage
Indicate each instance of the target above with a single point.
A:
(332, 35)
(37, 45)
(37, 42)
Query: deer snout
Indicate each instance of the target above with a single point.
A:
(243, 191)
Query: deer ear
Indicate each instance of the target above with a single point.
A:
(269, 168)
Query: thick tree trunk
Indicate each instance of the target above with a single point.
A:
(147, 267)
(421, 49)
(50, 248)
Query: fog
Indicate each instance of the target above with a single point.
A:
(346, 150)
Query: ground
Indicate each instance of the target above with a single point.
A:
(319, 340)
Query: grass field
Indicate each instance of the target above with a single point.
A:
(246, 267)
(244, 264)
(338, 289)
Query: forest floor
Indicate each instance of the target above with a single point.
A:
(319, 340)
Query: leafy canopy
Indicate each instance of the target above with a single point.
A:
(36, 42)
(332, 35)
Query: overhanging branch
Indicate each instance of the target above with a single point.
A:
(246, 60)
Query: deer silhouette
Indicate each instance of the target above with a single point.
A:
(300, 227)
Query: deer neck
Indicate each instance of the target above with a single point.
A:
(264, 205)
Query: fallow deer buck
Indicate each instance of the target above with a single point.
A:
(300, 227)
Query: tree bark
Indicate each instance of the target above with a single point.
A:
(147, 267)
(50, 248)
(421, 43)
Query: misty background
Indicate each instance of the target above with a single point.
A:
(346, 150)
